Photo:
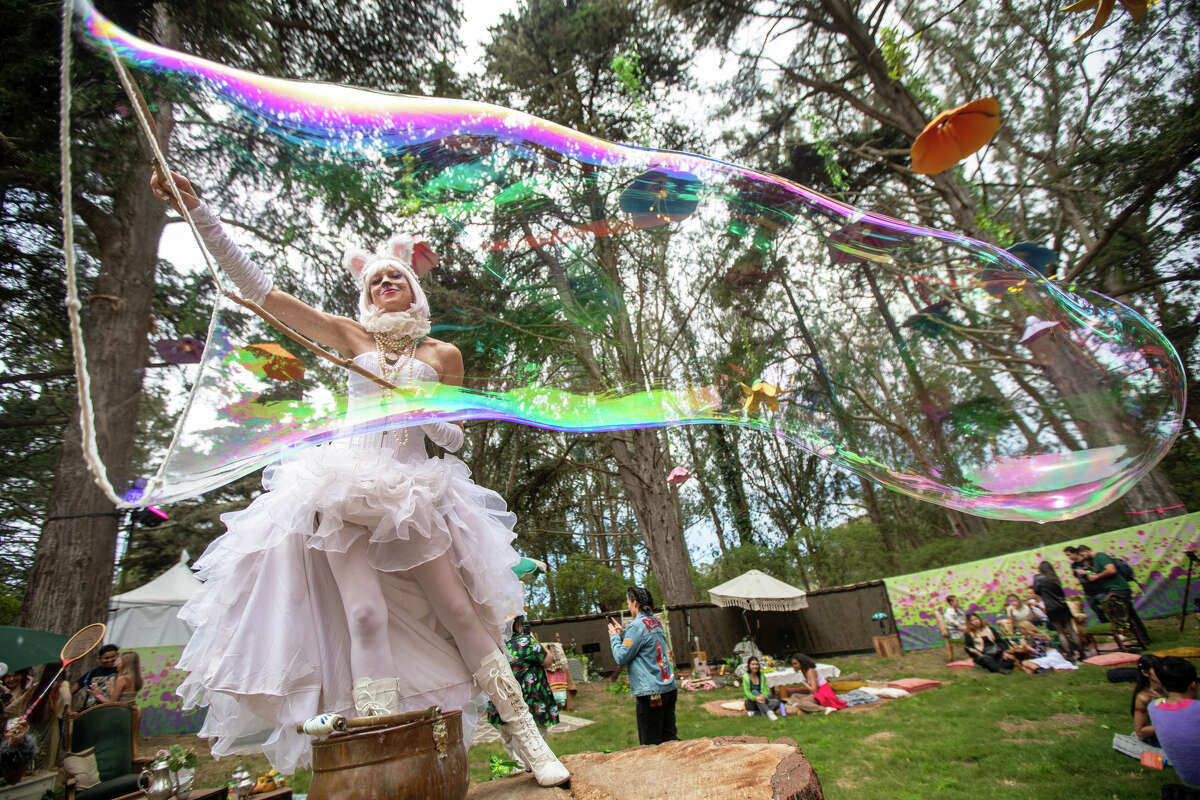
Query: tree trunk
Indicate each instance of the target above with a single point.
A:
(1152, 498)
(879, 521)
(71, 578)
(72, 574)
(643, 470)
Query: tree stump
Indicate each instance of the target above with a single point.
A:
(743, 767)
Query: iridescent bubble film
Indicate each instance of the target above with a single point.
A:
(638, 288)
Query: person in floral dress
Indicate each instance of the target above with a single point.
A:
(529, 660)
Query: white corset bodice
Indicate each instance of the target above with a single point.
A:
(364, 394)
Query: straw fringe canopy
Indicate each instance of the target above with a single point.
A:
(757, 591)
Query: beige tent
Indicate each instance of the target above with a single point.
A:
(758, 591)
(148, 616)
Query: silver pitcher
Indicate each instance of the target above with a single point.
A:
(182, 781)
(157, 779)
(243, 782)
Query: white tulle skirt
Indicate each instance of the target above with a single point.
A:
(271, 646)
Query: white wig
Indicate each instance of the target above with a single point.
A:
(397, 254)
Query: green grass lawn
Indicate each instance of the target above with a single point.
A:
(1041, 737)
(1047, 737)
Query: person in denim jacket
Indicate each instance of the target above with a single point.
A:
(642, 648)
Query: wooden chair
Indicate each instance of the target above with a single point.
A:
(1087, 634)
(111, 728)
(1124, 632)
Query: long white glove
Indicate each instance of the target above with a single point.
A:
(251, 282)
(446, 435)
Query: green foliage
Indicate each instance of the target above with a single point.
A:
(584, 586)
(827, 151)
(897, 54)
(10, 606)
(621, 685)
(501, 767)
(628, 68)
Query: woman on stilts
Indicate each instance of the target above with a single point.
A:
(368, 578)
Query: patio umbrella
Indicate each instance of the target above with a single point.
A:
(21, 647)
(758, 591)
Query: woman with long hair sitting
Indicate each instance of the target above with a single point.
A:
(758, 697)
(1145, 691)
(125, 686)
(823, 698)
(986, 647)
(46, 717)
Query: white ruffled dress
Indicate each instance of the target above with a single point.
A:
(271, 646)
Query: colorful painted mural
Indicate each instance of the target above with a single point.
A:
(1154, 550)
(161, 708)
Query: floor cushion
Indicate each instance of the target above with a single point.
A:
(914, 685)
(1112, 659)
(841, 687)
(1179, 652)
(966, 663)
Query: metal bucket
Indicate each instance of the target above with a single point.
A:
(417, 759)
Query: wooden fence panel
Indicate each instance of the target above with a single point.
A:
(837, 620)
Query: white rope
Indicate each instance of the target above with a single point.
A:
(87, 417)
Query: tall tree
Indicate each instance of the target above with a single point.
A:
(861, 80)
(557, 58)
(70, 580)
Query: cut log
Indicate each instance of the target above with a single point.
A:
(744, 767)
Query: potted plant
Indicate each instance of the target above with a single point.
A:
(181, 763)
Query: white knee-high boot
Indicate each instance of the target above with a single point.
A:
(510, 746)
(495, 677)
(376, 697)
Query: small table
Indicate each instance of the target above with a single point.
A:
(219, 793)
(787, 675)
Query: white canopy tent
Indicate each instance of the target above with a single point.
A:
(758, 591)
(148, 615)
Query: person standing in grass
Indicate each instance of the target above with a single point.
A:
(1176, 718)
(643, 649)
(954, 618)
(1048, 587)
(1109, 579)
(1093, 592)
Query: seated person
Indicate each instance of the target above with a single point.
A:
(97, 678)
(1035, 651)
(800, 685)
(1176, 717)
(1019, 611)
(986, 647)
(823, 698)
(125, 685)
(1145, 691)
(954, 618)
(758, 696)
(16, 692)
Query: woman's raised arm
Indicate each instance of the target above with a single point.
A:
(328, 329)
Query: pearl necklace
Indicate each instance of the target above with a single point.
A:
(396, 353)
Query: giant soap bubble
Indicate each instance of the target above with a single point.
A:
(631, 287)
